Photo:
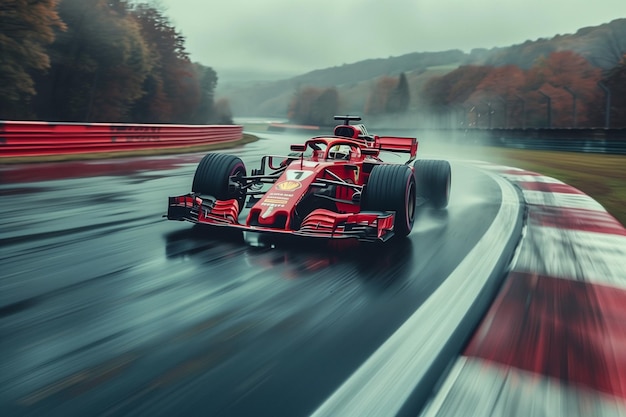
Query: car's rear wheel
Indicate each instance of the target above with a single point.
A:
(213, 177)
(392, 188)
(433, 179)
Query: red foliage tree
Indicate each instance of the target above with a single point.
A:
(566, 77)
(615, 81)
(172, 87)
(388, 95)
(313, 105)
(380, 95)
(98, 64)
(560, 90)
(27, 28)
(499, 89)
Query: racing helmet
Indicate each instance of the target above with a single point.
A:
(339, 152)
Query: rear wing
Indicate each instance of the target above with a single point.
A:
(397, 144)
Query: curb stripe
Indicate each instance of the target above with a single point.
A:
(382, 385)
(541, 198)
(569, 330)
(492, 390)
(550, 187)
(554, 340)
(573, 254)
(575, 219)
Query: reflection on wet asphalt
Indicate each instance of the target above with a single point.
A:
(106, 308)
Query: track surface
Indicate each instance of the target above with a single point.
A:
(107, 309)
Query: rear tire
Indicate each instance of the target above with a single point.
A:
(392, 188)
(433, 179)
(213, 174)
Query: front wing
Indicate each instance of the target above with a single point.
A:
(320, 223)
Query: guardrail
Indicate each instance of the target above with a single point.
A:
(28, 139)
(608, 141)
(591, 140)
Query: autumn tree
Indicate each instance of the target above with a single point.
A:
(495, 91)
(615, 81)
(388, 95)
(173, 86)
(222, 115)
(98, 65)
(455, 87)
(313, 105)
(382, 92)
(559, 90)
(206, 111)
(400, 96)
(440, 95)
(123, 65)
(564, 77)
(28, 26)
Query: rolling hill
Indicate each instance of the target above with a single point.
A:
(603, 46)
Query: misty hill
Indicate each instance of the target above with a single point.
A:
(602, 45)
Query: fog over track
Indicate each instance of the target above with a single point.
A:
(106, 308)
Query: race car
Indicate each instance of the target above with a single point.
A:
(333, 186)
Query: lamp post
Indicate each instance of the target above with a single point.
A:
(505, 110)
(607, 111)
(523, 110)
(549, 107)
(574, 118)
(472, 121)
(489, 112)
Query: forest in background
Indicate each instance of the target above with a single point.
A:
(100, 61)
(123, 61)
(566, 81)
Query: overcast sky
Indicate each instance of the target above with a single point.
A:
(295, 37)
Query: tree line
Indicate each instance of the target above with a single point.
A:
(317, 106)
(100, 61)
(562, 89)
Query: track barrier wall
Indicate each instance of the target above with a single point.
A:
(592, 140)
(31, 139)
(608, 141)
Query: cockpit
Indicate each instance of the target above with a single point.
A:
(339, 151)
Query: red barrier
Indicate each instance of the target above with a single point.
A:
(19, 139)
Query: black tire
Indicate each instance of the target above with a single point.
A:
(433, 179)
(392, 188)
(213, 174)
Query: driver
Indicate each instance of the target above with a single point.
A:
(339, 152)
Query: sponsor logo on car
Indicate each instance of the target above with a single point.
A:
(289, 185)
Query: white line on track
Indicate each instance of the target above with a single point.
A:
(384, 382)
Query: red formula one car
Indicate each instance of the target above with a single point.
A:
(334, 186)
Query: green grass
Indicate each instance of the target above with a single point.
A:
(602, 177)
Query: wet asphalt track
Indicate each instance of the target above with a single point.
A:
(107, 309)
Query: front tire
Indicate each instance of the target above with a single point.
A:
(433, 179)
(392, 188)
(213, 174)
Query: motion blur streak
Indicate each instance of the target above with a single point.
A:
(382, 384)
(107, 309)
(561, 328)
(490, 390)
(554, 341)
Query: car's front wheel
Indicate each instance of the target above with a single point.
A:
(213, 177)
(392, 188)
